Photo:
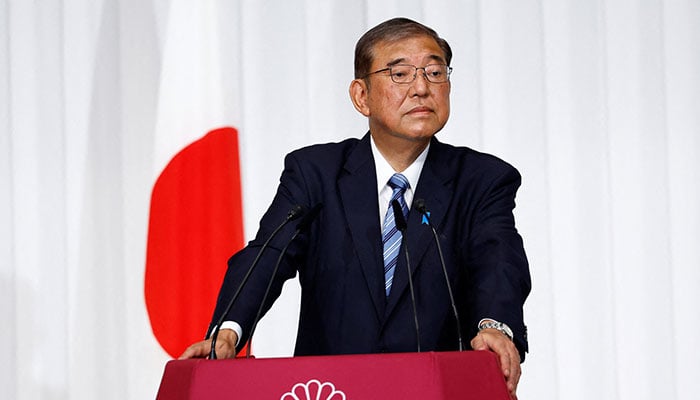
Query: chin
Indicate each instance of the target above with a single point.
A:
(424, 134)
(418, 137)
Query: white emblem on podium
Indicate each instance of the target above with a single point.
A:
(314, 390)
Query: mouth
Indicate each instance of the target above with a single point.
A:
(420, 110)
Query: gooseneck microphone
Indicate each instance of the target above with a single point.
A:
(420, 206)
(302, 225)
(294, 213)
(401, 226)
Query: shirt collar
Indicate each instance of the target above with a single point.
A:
(385, 171)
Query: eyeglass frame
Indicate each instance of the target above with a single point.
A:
(415, 73)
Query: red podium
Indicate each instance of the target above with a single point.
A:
(429, 376)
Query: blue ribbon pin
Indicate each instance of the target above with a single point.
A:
(424, 221)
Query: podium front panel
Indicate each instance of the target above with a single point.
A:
(431, 375)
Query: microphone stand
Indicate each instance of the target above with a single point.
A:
(420, 206)
(293, 214)
(401, 226)
(301, 226)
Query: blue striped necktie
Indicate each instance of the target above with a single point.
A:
(390, 235)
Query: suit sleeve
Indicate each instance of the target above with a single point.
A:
(290, 193)
(499, 277)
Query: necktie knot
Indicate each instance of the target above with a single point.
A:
(398, 181)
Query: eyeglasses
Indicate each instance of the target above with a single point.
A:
(404, 73)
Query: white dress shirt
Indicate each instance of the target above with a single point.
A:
(384, 173)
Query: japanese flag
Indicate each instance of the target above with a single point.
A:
(195, 222)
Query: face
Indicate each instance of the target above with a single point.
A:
(415, 111)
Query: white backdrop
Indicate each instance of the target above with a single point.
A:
(596, 102)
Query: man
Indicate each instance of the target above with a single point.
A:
(353, 273)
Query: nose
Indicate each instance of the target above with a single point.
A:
(420, 84)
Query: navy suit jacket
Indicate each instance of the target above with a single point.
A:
(344, 310)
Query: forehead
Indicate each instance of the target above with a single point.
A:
(417, 50)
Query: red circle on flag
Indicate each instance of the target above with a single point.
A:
(195, 225)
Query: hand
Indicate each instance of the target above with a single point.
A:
(225, 346)
(508, 356)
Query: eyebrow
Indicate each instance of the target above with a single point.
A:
(397, 61)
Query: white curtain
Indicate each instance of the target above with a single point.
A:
(596, 102)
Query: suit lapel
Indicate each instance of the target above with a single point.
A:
(358, 191)
(433, 187)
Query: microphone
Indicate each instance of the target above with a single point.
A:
(420, 206)
(303, 225)
(401, 226)
(294, 213)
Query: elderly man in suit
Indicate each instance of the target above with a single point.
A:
(356, 294)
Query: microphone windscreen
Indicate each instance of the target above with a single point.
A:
(420, 206)
(309, 217)
(398, 216)
(295, 212)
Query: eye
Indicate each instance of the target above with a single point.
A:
(435, 71)
(399, 72)
(402, 73)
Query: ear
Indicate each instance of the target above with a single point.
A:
(358, 95)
